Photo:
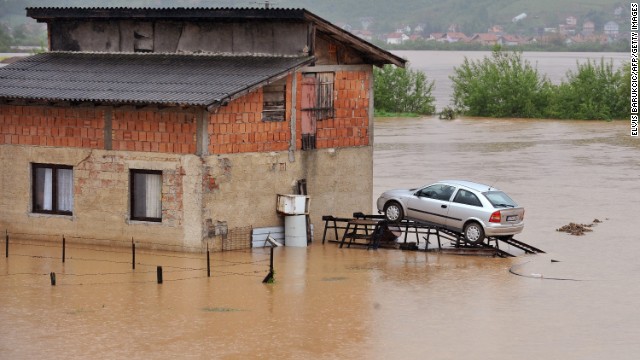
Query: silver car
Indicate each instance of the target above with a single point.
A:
(468, 208)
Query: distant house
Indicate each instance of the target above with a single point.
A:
(452, 37)
(512, 40)
(571, 20)
(566, 29)
(439, 37)
(592, 38)
(178, 127)
(497, 29)
(611, 28)
(396, 38)
(519, 17)
(588, 27)
(485, 38)
(363, 34)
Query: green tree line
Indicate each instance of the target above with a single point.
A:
(505, 85)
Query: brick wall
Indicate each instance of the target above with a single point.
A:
(350, 125)
(238, 127)
(234, 128)
(49, 126)
(154, 131)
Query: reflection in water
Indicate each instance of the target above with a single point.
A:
(329, 302)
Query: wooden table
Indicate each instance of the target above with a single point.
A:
(355, 229)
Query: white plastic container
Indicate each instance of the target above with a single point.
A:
(293, 204)
(295, 230)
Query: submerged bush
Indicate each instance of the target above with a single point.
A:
(402, 90)
(594, 91)
(503, 85)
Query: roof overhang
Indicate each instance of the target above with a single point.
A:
(142, 79)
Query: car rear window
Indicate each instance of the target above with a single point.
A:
(499, 199)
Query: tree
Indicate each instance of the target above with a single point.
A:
(502, 85)
(402, 90)
(593, 91)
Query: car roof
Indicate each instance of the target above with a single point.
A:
(469, 184)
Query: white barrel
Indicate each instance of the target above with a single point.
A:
(295, 230)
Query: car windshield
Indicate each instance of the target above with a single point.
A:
(499, 199)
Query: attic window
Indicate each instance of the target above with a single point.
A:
(274, 101)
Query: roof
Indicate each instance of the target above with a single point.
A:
(374, 54)
(126, 78)
(469, 184)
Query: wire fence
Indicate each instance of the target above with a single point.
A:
(256, 263)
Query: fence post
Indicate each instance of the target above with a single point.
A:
(133, 254)
(208, 262)
(159, 273)
(269, 278)
(63, 248)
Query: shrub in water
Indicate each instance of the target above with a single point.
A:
(503, 85)
(402, 90)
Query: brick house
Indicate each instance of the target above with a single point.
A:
(178, 127)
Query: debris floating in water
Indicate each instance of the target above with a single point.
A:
(578, 229)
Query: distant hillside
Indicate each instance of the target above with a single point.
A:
(385, 16)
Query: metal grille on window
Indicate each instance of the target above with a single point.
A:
(274, 101)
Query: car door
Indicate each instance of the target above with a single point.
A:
(431, 204)
(464, 205)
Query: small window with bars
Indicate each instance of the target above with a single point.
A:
(274, 101)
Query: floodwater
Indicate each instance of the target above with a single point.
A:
(332, 303)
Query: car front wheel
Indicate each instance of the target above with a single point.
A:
(473, 233)
(393, 211)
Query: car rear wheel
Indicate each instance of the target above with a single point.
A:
(393, 211)
(473, 233)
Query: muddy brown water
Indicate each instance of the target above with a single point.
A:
(331, 303)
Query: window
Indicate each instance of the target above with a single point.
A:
(274, 101)
(52, 189)
(499, 199)
(437, 191)
(146, 195)
(467, 197)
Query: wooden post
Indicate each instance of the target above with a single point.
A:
(133, 254)
(159, 273)
(52, 276)
(208, 262)
(63, 248)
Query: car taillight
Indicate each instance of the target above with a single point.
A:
(495, 217)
